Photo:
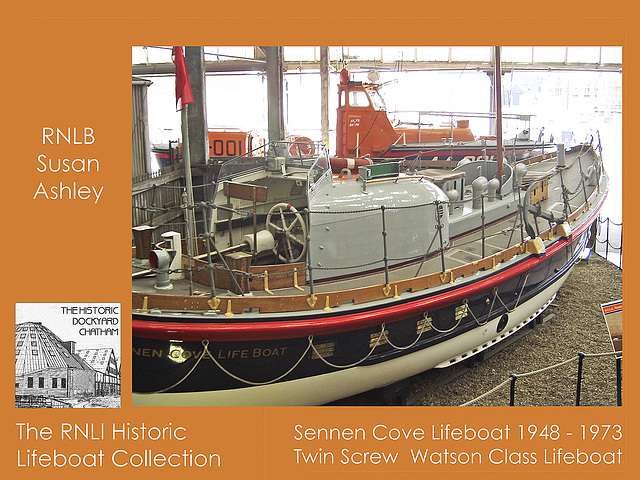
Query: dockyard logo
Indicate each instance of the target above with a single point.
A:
(94, 320)
(67, 355)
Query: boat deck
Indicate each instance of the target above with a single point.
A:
(461, 251)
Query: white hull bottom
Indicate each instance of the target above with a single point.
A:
(322, 389)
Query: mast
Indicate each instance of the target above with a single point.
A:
(498, 97)
(190, 214)
(184, 97)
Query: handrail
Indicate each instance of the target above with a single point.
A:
(440, 113)
(299, 302)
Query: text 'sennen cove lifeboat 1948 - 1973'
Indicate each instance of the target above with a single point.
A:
(309, 285)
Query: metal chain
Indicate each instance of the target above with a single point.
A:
(310, 346)
(248, 382)
(426, 319)
(396, 347)
(355, 364)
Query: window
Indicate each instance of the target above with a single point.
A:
(377, 100)
(63, 383)
(29, 382)
(54, 382)
(40, 382)
(358, 98)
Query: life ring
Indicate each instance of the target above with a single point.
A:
(302, 147)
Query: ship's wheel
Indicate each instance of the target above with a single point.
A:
(289, 231)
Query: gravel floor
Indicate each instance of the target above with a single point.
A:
(575, 324)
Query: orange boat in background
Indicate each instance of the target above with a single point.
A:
(363, 129)
(229, 143)
(224, 143)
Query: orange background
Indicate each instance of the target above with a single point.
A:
(70, 66)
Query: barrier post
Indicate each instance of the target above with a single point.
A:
(309, 266)
(606, 253)
(439, 228)
(621, 246)
(619, 379)
(581, 356)
(483, 224)
(384, 247)
(512, 395)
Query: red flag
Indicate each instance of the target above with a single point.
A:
(183, 87)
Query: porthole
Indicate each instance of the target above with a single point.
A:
(504, 319)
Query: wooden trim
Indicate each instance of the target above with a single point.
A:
(245, 191)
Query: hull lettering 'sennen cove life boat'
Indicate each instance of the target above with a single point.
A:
(307, 286)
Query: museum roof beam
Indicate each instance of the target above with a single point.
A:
(248, 66)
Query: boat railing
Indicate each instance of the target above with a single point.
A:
(517, 244)
(306, 155)
(414, 161)
(242, 164)
(294, 276)
(437, 239)
(437, 113)
(231, 304)
(589, 176)
(453, 116)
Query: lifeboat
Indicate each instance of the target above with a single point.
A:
(303, 289)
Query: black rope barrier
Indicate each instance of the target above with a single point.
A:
(607, 240)
(581, 356)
